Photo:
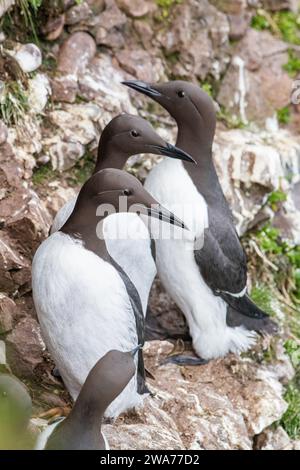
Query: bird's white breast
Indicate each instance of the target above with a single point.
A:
(83, 309)
(171, 185)
(128, 243)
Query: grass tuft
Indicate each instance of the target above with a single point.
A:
(290, 421)
(293, 64)
(284, 115)
(263, 297)
(13, 103)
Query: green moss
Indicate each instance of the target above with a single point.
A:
(165, 7)
(275, 197)
(82, 170)
(284, 115)
(291, 418)
(284, 22)
(207, 87)
(293, 350)
(289, 26)
(293, 64)
(231, 121)
(43, 174)
(13, 103)
(260, 22)
(263, 297)
(287, 259)
(172, 57)
(269, 242)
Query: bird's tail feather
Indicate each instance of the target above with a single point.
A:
(244, 306)
(262, 326)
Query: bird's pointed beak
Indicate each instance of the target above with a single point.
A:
(142, 87)
(135, 350)
(172, 151)
(163, 214)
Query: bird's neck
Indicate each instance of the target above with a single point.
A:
(192, 140)
(109, 157)
(87, 228)
(86, 419)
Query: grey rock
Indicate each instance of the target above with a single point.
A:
(255, 85)
(64, 89)
(25, 348)
(8, 311)
(29, 57)
(77, 13)
(3, 133)
(75, 53)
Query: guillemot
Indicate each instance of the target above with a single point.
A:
(85, 302)
(15, 412)
(124, 136)
(207, 276)
(81, 430)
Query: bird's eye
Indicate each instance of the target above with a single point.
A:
(127, 192)
(181, 93)
(134, 133)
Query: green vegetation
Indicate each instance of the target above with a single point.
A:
(29, 9)
(207, 87)
(287, 258)
(172, 57)
(260, 22)
(13, 103)
(231, 121)
(42, 174)
(289, 26)
(166, 7)
(263, 297)
(284, 115)
(275, 197)
(293, 350)
(293, 64)
(291, 418)
(82, 170)
(269, 240)
(283, 23)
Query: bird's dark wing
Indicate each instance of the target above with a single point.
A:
(222, 263)
(137, 308)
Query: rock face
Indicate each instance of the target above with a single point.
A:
(250, 166)
(255, 84)
(25, 347)
(196, 23)
(222, 405)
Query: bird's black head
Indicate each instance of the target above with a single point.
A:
(101, 196)
(186, 102)
(128, 135)
(108, 192)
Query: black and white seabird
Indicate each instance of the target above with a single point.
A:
(86, 304)
(15, 413)
(81, 430)
(207, 275)
(124, 136)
